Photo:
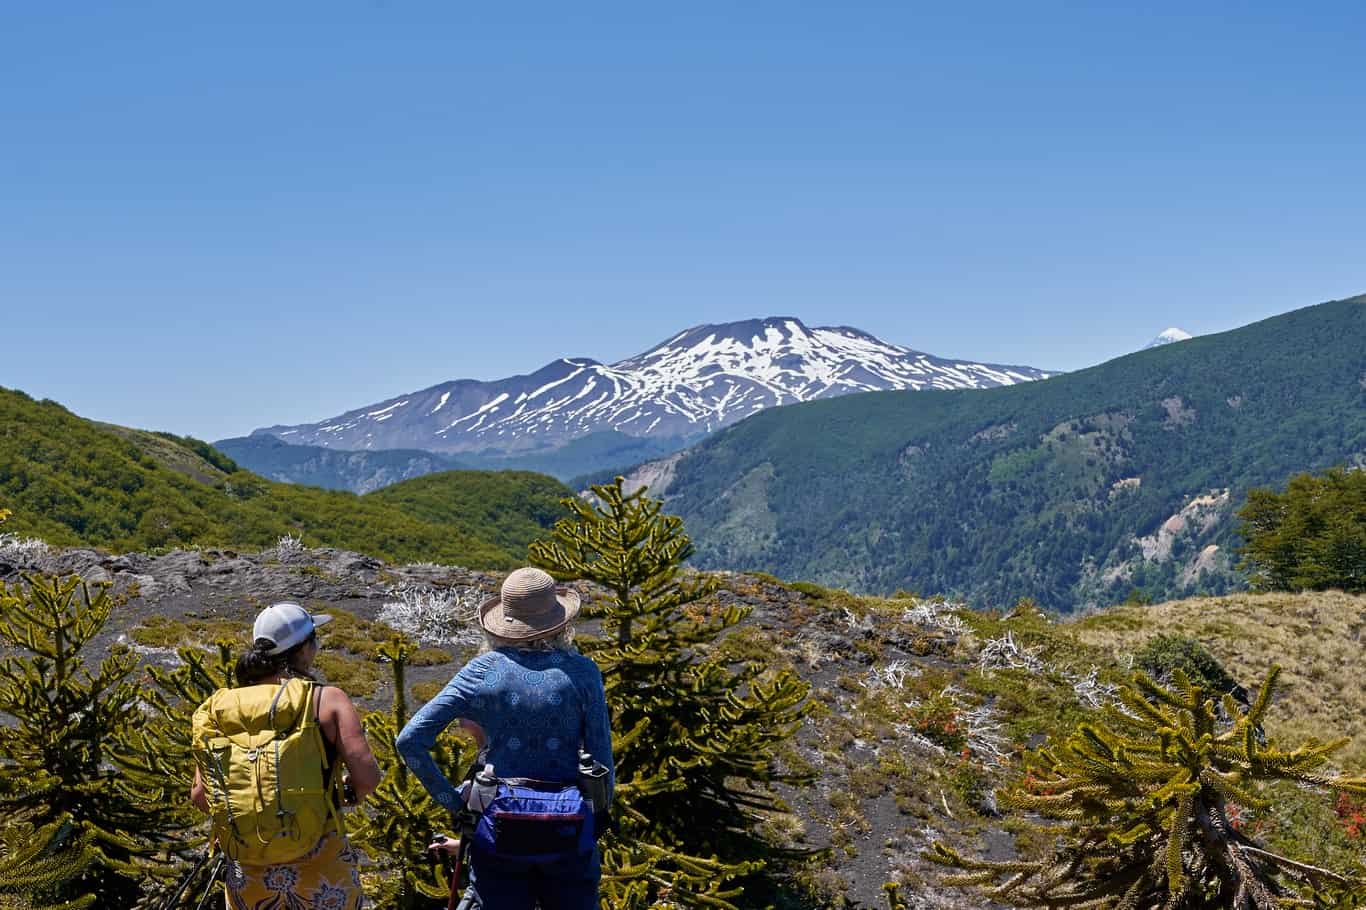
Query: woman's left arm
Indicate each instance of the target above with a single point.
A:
(597, 727)
(418, 736)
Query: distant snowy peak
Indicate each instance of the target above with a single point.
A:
(1167, 337)
(698, 381)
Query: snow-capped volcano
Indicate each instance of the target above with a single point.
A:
(700, 380)
(1167, 336)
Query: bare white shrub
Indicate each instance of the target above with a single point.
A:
(981, 727)
(288, 548)
(912, 737)
(168, 657)
(22, 551)
(1004, 653)
(953, 624)
(923, 613)
(936, 614)
(984, 734)
(435, 616)
(857, 623)
(889, 676)
(1094, 693)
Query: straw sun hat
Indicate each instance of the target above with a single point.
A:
(528, 607)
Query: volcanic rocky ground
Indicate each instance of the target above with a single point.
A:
(872, 827)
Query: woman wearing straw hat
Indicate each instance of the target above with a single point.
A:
(533, 701)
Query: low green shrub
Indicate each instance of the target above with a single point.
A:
(1166, 653)
(358, 678)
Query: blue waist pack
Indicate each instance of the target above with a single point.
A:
(535, 821)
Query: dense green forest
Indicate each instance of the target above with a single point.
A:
(1039, 489)
(1311, 537)
(511, 507)
(72, 481)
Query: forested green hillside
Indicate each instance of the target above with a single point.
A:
(72, 481)
(1077, 489)
(511, 507)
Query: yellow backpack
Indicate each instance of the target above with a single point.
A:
(261, 755)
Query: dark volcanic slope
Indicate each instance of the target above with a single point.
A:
(919, 708)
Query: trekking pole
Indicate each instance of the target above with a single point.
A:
(455, 884)
(450, 864)
(208, 889)
(185, 883)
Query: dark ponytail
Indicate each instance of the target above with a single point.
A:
(258, 663)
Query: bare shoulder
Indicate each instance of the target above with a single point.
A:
(332, 701)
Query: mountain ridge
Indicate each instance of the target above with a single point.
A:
(702, 378)
(1066, 490)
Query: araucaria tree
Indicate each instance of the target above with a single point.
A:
(399, 818)
(54, 756)
(1142, 809)
(38, 863)
(156, 765)
(695, 737)
(1312, 536)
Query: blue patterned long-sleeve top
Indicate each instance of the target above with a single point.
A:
(537, 709)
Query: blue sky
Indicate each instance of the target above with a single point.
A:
(218, 217)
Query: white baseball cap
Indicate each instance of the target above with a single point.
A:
(286, 624)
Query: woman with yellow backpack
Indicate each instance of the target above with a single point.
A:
(270, 755)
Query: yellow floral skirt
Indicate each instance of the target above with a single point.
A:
(326, 878)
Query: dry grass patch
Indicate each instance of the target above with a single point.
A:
(424, 692)
(358, 677)
(165, 632)
(1316, 637)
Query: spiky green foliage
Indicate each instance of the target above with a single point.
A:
(1145, 803)
(1312, 536)
(1336, 895)
(55, 757)
(155, 760)
(695, 739)
(38, 863)
(400, 818)
(157, 767)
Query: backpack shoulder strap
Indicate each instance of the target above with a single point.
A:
(332, 770)
(296, 694)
